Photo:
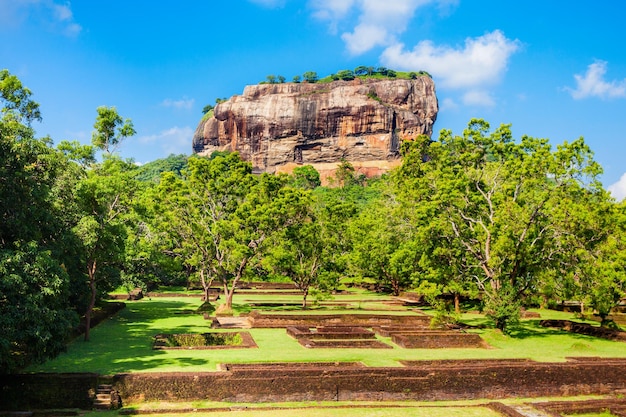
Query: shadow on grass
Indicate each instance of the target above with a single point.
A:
(533, 329)
(124, 342)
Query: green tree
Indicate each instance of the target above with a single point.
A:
(305, 177)
(110, 129)
(361, 70)
(151, 172)
(16, 101)
(496, 197)
(296, 79)
(346, 75)
(297, 250)
(383, 249)
(34, 315)
(35, 311)
(104, 197)
(310, 77)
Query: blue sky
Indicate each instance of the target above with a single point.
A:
(553, 69)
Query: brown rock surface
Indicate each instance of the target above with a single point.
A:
(280, 126)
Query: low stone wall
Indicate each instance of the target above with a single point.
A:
(615, 406)
(261, 285)
(427, 380)
(388, 331)
(287, 365)
(330, 333)
(430, 382)
(343, 343)
(586, 329)
(260, 320)
(39, 391)
(438, 340)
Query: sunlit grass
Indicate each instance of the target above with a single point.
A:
(124, 342)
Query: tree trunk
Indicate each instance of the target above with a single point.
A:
(395, 286)
(457, 303)
(304, 295)
(206, 286)
(231, 292)
(91, 269)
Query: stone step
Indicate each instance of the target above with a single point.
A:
(103, 397)
(233, 322)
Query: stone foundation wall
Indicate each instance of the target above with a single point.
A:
(427, 380)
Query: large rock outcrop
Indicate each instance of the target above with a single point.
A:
(279, 126)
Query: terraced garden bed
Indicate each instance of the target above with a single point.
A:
(432, 339)
(330, 333)
(225, 340)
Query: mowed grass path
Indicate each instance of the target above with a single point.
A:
(124, 342)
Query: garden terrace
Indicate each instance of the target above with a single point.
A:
(261, 320)
(388, 331)
(336, 337)
(586, 329)
(287, 365)
(616, 407)
(266, 286)
(467, 363)
(433, 339)
(330, 333)
(431, 380)
(344, 343)
(210, 341)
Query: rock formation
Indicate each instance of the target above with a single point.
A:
(280, 126)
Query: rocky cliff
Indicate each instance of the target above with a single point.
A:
(280, 126)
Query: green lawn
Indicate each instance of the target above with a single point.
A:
(124, 342)
(470, 408)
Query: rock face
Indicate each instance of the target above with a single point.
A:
(280, 126)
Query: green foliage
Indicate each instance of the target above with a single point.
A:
(345, 75)
(310, 77)
(35, 245)
(16, 102)
(490, 212)
(305, 177)
(34, 315)
(204, 339)
(207, 108)
(104, 198)
(152, 171)
(110, 129)
(372, 94)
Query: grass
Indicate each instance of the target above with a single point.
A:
(476, 408)
(347, 411)
(124, 342)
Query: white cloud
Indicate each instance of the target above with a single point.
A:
(183, 103)
(58, 15)
(481, 61)
(478, 98)
(364, 38)
(448, 104)
(331, 10)
(269, 3)
(618, 190)
(379, 22)
(62, 12)
(175, 140)
(592, 84)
